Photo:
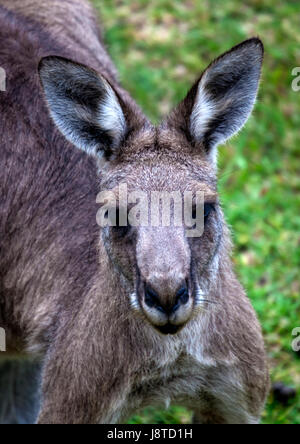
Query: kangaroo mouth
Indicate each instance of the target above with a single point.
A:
(169, 329)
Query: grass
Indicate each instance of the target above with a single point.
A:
(160, 48)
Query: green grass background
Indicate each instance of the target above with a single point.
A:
(160, 47)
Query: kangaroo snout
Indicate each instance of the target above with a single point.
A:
(167, 311)
(165, 287)
(167, 306)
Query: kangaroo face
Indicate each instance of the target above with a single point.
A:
(166, 265)
(169, 264)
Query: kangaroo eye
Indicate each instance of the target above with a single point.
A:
(119, 229)
(208, 208)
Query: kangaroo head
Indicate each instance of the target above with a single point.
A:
(168, 269)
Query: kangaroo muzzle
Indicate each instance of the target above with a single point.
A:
(165, 289)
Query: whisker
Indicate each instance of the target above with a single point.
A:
(207, 300)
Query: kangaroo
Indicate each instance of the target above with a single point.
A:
(102, 321)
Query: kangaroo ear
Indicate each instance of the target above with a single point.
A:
(221, 102)
(83, 105)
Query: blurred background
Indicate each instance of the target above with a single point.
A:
(160, 47)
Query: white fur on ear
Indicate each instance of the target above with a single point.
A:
(226, 95)
(203, 111)
(111, 116)
(83, 105)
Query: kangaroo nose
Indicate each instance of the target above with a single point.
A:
(168, 311)
(166, 306)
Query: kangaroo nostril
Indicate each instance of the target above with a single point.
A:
(152, 299)
(182, 296)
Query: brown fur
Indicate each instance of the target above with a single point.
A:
(62, 296)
